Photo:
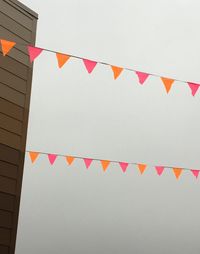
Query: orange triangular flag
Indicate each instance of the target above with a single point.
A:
(177, 172)
(116, 71)
(69, 159)
(167, 83)
(105, 164)
(62, 59)
(33, 156)
(142, 168)
(7, 46)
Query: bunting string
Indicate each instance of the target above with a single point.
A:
(177, 171)
(89, 64)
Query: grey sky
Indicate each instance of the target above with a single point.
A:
(71, 210)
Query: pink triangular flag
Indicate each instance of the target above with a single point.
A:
(195, 172)
(142, 76)
(34, 52)
(87, 162)
(52, 158)
(194, 87)
(123, 166)
(159, 170)
(89, 65)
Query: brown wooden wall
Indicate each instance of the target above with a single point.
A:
(17, 23)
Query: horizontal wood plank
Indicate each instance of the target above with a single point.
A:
(19, 56)
(20, 43)
(11, 12)
(13, 81)
(15, 27)
(16, 68)
(7, 169)
(11, 109)
(12, 95)
(4, 249)
(7, 185)
(5, 236)
(9, 154)
(5, 219)
(23, 8)
(7, 202)
(10, 139)
(10, 124)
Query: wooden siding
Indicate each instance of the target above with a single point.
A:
(7, 202)
(17, 23)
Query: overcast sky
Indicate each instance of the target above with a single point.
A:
(72, 210)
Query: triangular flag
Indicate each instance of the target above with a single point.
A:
(159, 170)
(123, 166)
(194, 87)
(87, 162)
(62, 59)
(105, 164)
(195, 172)
(69, 159)
(142, 76)
(52, 158)
(167, 83)
(116, 71)
(177, 172)
(7, 46)
(33, 156)
(89, 65)
(142, 168)
(34, 52)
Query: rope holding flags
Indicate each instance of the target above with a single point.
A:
(177, 171)
(62, 59)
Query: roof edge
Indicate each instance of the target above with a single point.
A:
(24, 7)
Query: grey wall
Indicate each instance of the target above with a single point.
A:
(72, 210)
